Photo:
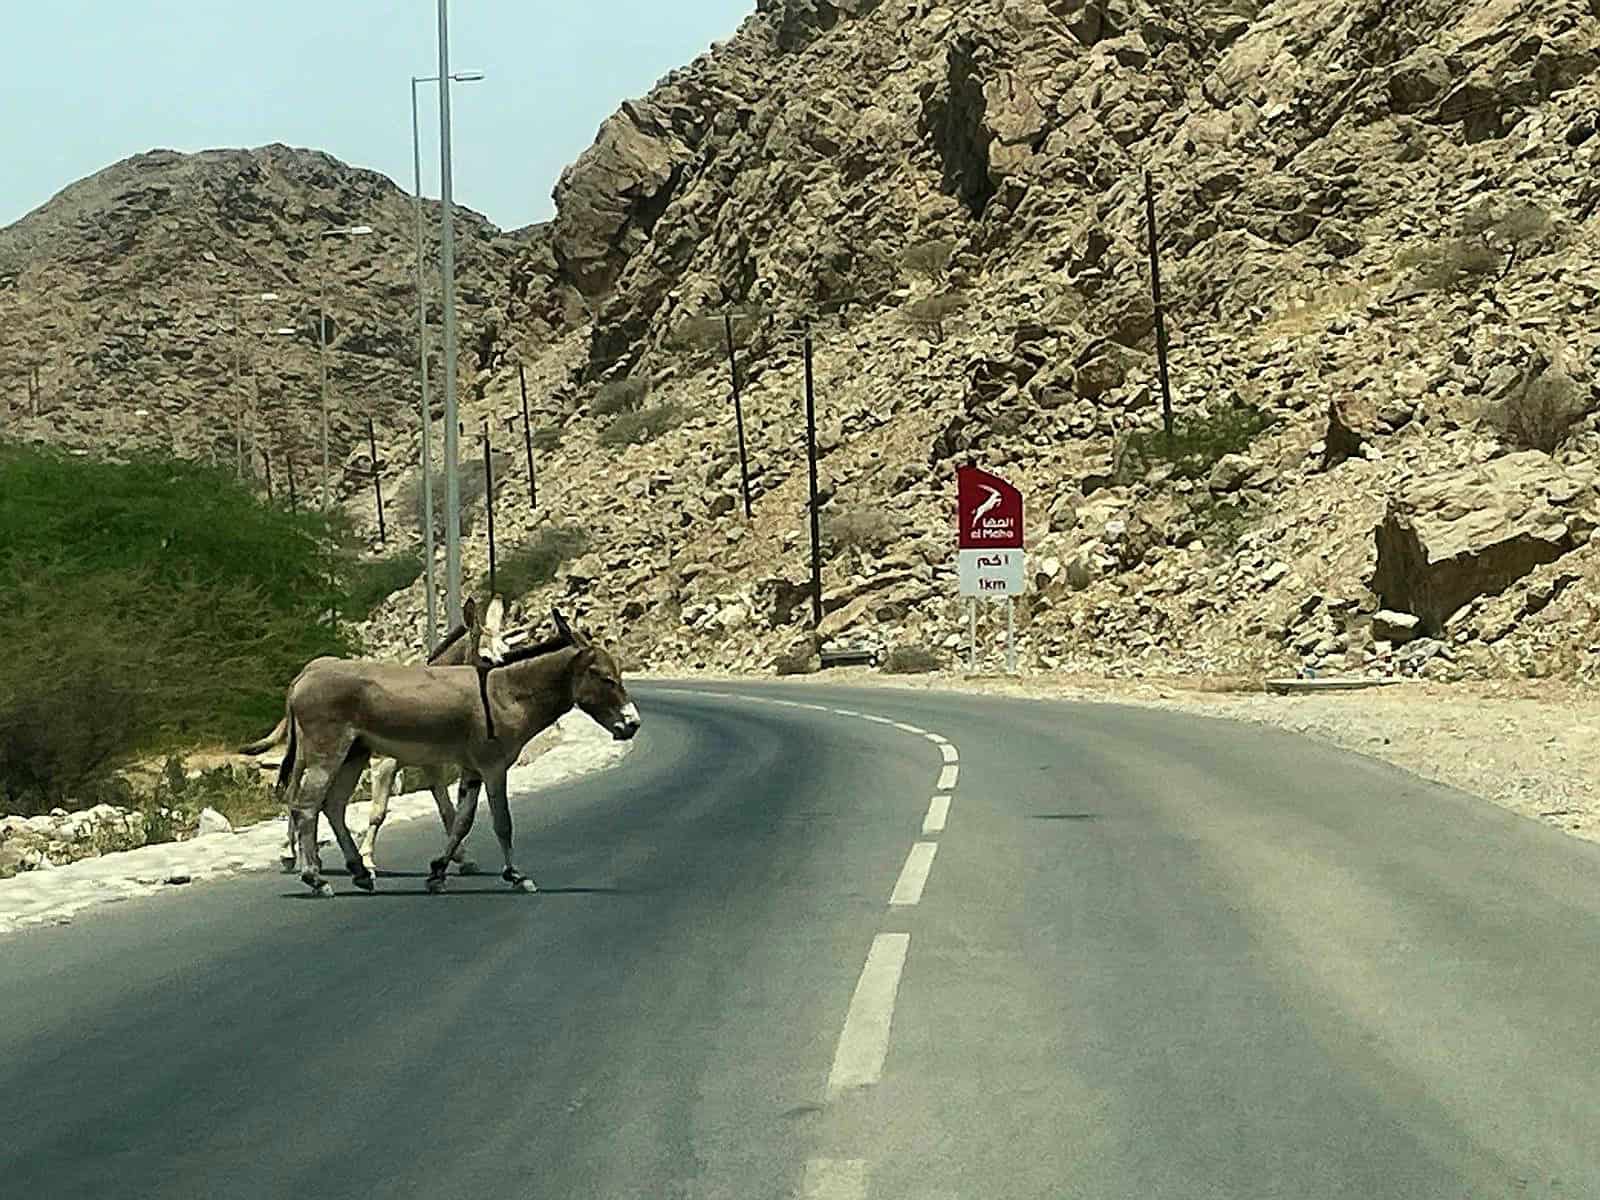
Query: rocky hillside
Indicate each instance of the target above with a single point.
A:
(1379, 262)
(118, 294)
(1378, 254)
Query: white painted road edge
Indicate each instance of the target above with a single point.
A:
(54, 896)
(938, 811)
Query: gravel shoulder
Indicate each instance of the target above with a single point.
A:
(1526, 746)
(577, 746)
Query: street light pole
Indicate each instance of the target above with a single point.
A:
(322, 334)
(447, 268)
(422, 359)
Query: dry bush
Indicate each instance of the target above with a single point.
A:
(620, 396)
(911, 660)
(1541, 413)
(929, 259)
(795, 662)
(1453, 265)
(546, 438)
(636, 428)
(931, 313)
(869, 529)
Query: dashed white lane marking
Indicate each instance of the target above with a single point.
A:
(914, 875)
(904, 728)
(947, 777)
(835, 1179)
(949, 752)
(877, 720)
(864, 1043)
(845, 712)
(938, 810)
(938, 739)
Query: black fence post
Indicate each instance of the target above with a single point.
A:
(1161, 320)
(738, 413)
(294, 501)
(811, 456)
(266, 461)
(377, 482)
(527, 438)
(488, 501)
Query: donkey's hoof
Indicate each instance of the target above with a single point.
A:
(369, 864)
(323, 889)
(287, 864)
(364, 882)
(434, 884)
(466, 867)
(526, 885)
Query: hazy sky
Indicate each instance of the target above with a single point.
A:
(88, 82)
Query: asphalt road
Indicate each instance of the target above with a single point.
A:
(1151, 957)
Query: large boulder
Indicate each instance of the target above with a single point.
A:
(1450, 539)
(607, 202)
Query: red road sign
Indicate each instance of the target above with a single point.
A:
(988, 511)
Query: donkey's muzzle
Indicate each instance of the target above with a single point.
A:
(626, 724)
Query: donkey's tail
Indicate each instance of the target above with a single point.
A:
(286, 767)
(275, 738)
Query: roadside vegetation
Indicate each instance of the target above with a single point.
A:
(150, 607)
(1199, 441)
(535, 562)
(644, 425)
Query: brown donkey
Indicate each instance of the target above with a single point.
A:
(455, 650)
(478, 717)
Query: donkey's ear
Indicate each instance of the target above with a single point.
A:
(495, 614)
(563, 628)
(469, 613)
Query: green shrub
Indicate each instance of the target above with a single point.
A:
(535, 563)
(1220, 523)
(369, 582)
(636, 428)
(620, 396)
(1198, 442)
(911, 660)
(144, 606)
(546, 438)
(869, 529)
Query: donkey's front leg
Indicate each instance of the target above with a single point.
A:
(500, 809)
(466, 811)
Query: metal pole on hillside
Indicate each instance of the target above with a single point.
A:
(322, 334)
(1161, 320)
(447, 269)
(811, 457)
(377, 481)
(738, 413)
(266, 461)
(527, 438)
(488, 502)
(288, 464)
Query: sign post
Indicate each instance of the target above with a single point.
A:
(989, 541)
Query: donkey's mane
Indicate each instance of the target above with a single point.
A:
(523, 653)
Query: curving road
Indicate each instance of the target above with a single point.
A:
(1004, 949)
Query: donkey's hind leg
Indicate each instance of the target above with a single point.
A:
(466, 811)
(447, 816)
(338, 798)
(383, 779)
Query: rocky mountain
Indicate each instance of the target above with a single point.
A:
(117, 310)
(1377, 242)
(1378, 254)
